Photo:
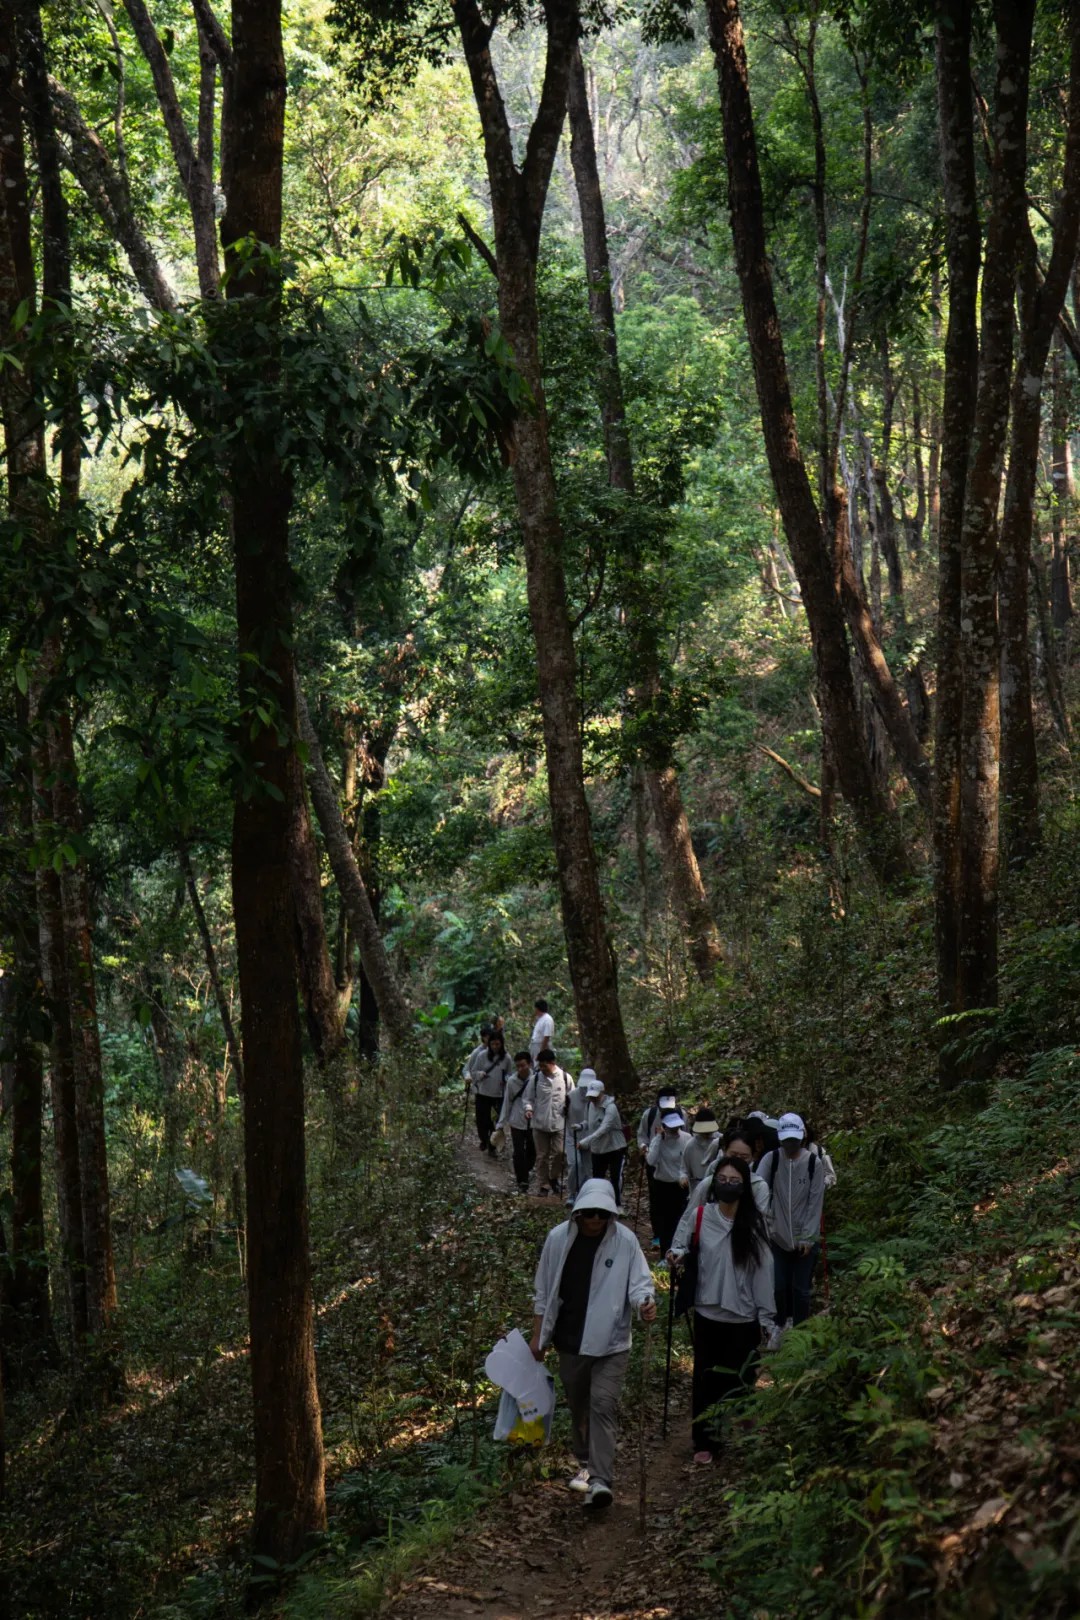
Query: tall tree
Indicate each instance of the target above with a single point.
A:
(661, 775)
(802, 521)
(290, 1500)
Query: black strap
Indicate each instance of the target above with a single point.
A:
(774, 1157)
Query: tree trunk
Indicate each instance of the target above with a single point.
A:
(517, 200)
(326, 1026)
(802, 522)
(1061, 601)
(393, 1008)
(933, 471)
(290, 1500)
(210, 956)
(1041, 306)
(980, 647)
(687, 890)
(917, 526)
(963, 252)
(1055, 690)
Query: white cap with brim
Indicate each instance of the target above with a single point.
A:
(596, 1193)
(586, 1077)
(672, 1121)
(789, 1127)
(705, 1127)
(594, 1087)
(666, 1102)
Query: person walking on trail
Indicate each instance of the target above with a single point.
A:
(796, 1185)
(604, 1137)
(737, 1145)
(733, 1296)
(592, 1275)
(648, 1127)
(665, 1154)
(702, 1148)
(477, 1051)
(578, 1158)
(489, 1070)
(547, 1096)
(543, 1030)
(513, 1114)
(763, 1137)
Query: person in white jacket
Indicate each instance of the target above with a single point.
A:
(547, 1097)
(604, 1137)
(513, 1115)
(739, 1146)
(733, 1299)
(649, 1126)
(702, 1148)
(592, 1275)
(543, 1029)
(796, 1182)
(578, 1158)
(665, 1154)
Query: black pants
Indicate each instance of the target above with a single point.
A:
(793, 1275)
(487, 1112)
(669, 1201)
(524, 1154)
(726, 1358)
(650, 1177)
(611, 1166)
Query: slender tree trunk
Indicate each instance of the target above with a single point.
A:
(290, 1501)
(517, 199)
(326, 1025)
(393, 1008)
(963, 251)
(980, 648)
(1061, 600)
(210, 957)
(917, 526)
(366, 844)
(1055, 690)
(669, 813)
(802, 522)
(933, 471)
(1041, 306)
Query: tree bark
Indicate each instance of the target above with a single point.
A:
(801, 519)
(232, 1045)
(963, 252)
(1061, 600)
(290, 1500)
(326, 1026)
(394, 1010)
(980, 648)
(1040, 307)
(687, 890)
(517, 200)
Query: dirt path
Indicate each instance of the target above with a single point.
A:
(536, 1555)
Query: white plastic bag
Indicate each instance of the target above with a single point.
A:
(511, 1425)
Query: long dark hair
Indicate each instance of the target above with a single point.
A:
(748, 1236)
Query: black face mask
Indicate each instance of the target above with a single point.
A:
(727, 1192)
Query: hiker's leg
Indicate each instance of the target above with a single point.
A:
(782, 1272)
(576, 1373)
(558, 1158)
(531, 1148)
(671, 1200)
(520, 1140)
(608, 1374)
(650, 1177)
(706, 1389)
(485, 1119)
(480, 1111)
(616, 1173)
(543, 1156)
(802, 1282)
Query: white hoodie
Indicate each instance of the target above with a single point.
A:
(621, 1280)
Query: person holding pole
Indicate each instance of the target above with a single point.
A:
(579, 1159)
(546, 1098)
(591, 1277)
(513, 1115)
(604, 1137)
(489, 1070)
(665, 1154)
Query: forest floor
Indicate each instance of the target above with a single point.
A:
(535, 1554)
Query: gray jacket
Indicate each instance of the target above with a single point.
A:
(577, 1111)
(488, 1074)
(512, 1112)
(796, 1197)
(665, 1155)
(603, 1131)
(547, 1099)
(698, 1155)
(621, 1282)
(734, 1293)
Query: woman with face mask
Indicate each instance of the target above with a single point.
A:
(734, 1301)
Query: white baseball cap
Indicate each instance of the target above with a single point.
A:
(594, 1087)
(667, 1101)
(672, 1121)
(790, 1126)
(586, 1077)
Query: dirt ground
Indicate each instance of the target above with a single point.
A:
(538, 1555)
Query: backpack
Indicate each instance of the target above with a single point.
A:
(686, 1288)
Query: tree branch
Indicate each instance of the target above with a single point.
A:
(796, 776)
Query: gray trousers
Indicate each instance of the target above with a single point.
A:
(593, 1385)
(549, 1156)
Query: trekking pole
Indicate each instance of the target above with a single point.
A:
(642, 1473)
(640, 1179)
(670, 1331)
(465, 1120)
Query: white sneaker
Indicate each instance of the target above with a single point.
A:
(599, 1495)
(580, 1482)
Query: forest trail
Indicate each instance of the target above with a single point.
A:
(535, 1554)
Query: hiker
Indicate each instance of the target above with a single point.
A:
(591, 1275)
(513, 1114)
(734, 1297)
(477, 1051)
(546, 1098)
(648, 1127)
(578, 1158)
(736, 1144)
(543, 1030)
(796, 1185)
(665, 1153)
(489, 1070)
(604, 1137)
(763, 1135)
(702, 1148)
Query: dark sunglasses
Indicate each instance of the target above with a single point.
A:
(595, 1214)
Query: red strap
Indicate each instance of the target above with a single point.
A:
(697, 1224)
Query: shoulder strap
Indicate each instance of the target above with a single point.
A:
(771, 1177)
(813, 1166)
(697, 1224)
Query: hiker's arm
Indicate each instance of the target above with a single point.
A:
(680, 1243)
(534, 1342)
(653, 1152)
(640, 1290)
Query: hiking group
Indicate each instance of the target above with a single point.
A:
(736, 1219)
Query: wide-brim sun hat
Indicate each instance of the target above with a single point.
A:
(596, 1193)
(705, 1127)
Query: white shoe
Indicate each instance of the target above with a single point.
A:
(598, 1495)
(580, 1482)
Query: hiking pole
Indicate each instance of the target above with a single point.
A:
(465, 1120)
(670, 1331)
(640, 1179)
(642, 1473)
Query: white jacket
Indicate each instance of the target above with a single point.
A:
(797, 1188)
(543, 1034)
(621, 1282)
(603, 1131)
(698, 1155)
(758, 1185)
(735, 1293)
(665, 1154)
(548, 1099)
(512, 1112)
